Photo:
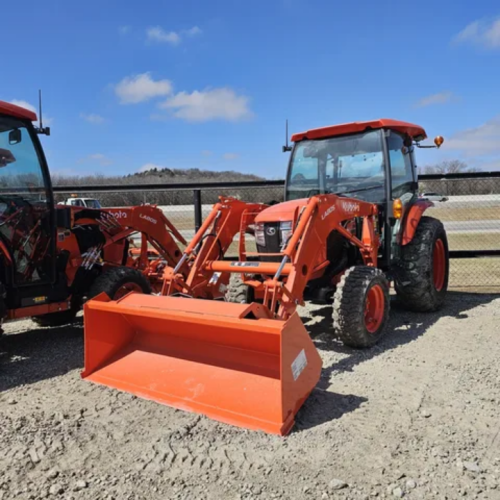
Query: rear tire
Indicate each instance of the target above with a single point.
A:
(117, 282)
(361, 306)
(421, 281)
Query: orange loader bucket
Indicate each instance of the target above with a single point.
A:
(227, 361)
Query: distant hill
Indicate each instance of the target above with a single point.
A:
(163, 177)
(191, 175)
(156, 176)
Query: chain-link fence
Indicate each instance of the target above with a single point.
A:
(468, 205)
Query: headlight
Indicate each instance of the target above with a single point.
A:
(286, 231)
(260, 237)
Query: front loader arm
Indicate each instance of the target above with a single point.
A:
(155, 229)
(209, 245)
(321, 216)
(312, 226)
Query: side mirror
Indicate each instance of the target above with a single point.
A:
(408, 142)
(15, 136)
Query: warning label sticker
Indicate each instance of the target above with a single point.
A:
(244, 264)
(299, 364)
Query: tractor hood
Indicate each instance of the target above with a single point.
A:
(282, 211)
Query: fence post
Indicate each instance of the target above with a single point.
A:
(197, 208)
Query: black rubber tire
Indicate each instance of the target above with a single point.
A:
(115, 278)
(414, 279)
(349, 304)
(238, 292)
(57, 318)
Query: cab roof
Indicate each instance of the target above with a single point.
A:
(17, 111)
(414, 131)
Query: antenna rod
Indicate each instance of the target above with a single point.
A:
(286, 147)
(40, 129)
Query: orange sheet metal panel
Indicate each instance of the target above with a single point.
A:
(227, 361)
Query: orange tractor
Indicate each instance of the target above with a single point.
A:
(54, 257)
(351, 224)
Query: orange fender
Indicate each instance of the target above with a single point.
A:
(412, 219)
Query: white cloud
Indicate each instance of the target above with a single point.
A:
(440, 98)
(124, 30)
(206, 153)
(209, 104)
(92, 118)
(24, 104)
(193, 31)
(157, 34)
(485, 33)
(230, 156)
(149, 166)
(47, 120)
(478, 141)
(103, 160)
(139, 88)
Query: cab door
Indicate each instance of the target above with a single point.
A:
(27, 228)
(403, 177)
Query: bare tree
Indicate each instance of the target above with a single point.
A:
(448, 167)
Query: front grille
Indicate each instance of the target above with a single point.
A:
(273, 241)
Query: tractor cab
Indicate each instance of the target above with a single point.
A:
(27, 230)
(371, 161)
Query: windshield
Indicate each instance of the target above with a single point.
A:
(20, 170)
(92, 203)
(351, 165)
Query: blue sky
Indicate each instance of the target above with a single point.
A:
(208, 84)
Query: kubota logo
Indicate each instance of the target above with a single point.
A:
(148, 218)
(327, 212)
(119, 214)
(350, 206)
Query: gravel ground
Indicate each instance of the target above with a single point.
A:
(414, 417)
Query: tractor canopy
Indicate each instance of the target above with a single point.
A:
(416, 132)
(6, 108)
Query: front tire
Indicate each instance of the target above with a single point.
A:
(238, 291)
(116, 282)
(421, 281)
(361, 306)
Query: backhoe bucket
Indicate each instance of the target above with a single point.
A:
(227, 361)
